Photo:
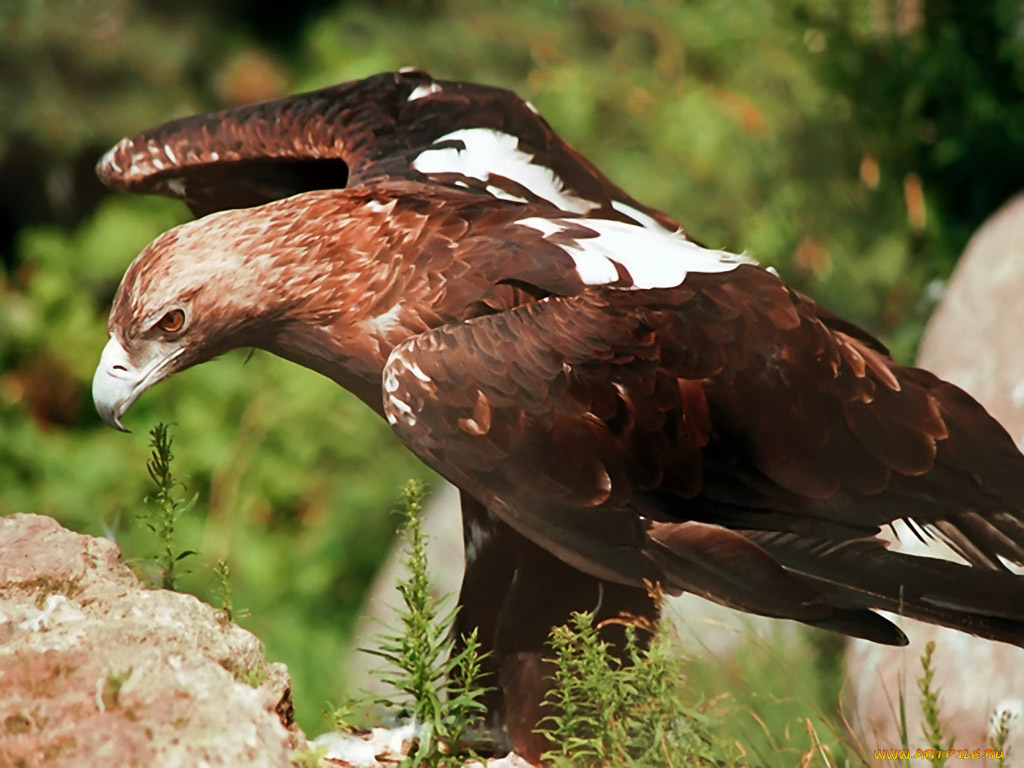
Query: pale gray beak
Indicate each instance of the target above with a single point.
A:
(115, 385)
(121, 377)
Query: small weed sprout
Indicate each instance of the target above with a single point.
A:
(341, 717)
(311, 757)
(1002, 718)
(606, 712)
(110, 696)
(443, 685)
(224, 583)
(253, 676)
(169, 507)
(930, 709)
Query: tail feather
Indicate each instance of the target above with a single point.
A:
(863, 574)
(727, 567)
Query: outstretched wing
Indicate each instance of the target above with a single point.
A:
(720, 437)
(402, 125)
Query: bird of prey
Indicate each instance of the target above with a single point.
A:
(619, 405)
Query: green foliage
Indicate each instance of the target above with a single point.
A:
(253, 676)
(169, 506)
(932, 727)
(341, 717)
(442, 683)
(775, 699)
(311, 757)
(606, 712)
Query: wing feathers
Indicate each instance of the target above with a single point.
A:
(606, 401)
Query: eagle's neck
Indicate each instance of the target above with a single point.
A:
(347, 334)
(336, 288)
(335, 298)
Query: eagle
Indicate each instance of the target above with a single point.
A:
(624, 410)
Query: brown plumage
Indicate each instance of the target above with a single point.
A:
(617, 404)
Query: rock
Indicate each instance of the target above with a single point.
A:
(974, 337)
(95, 669)
(972, 340)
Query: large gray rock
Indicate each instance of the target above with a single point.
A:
(96, 670)
(973, 340)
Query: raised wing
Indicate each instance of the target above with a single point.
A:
(720, 437)
(395, 126)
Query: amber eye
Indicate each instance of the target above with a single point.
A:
(172, 322)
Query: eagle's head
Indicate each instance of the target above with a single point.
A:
(326, 279)
(180, 303)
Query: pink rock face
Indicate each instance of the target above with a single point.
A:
(975, 341)
(976, 336)
(97, 670)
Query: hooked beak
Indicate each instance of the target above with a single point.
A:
(118, 382)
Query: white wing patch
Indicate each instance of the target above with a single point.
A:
(653, 258)
(641, 218)
(423, 90)
(490, 152)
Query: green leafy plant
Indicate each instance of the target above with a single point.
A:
(442, 683)
(930, 709)
(223, 572)
(168, 506)
(631, 713)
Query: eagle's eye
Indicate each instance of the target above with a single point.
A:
(172, 322)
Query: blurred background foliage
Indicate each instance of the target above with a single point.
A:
(853, 145)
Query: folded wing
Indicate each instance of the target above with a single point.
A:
(726, 438)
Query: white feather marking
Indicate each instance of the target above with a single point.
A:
(423, 90)
(170, 154)
(501, 194)
(653, 259)
(641, 218)
(492, 152)
(137, 158)
(378, 207)
(1011, 566)
(390, 381)
(478, 537)
(177, 186)
(529, 106)
(546, 227)
(215, 156)
(108, 157)
(385, 322)
(400, 409)
(416, 371)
